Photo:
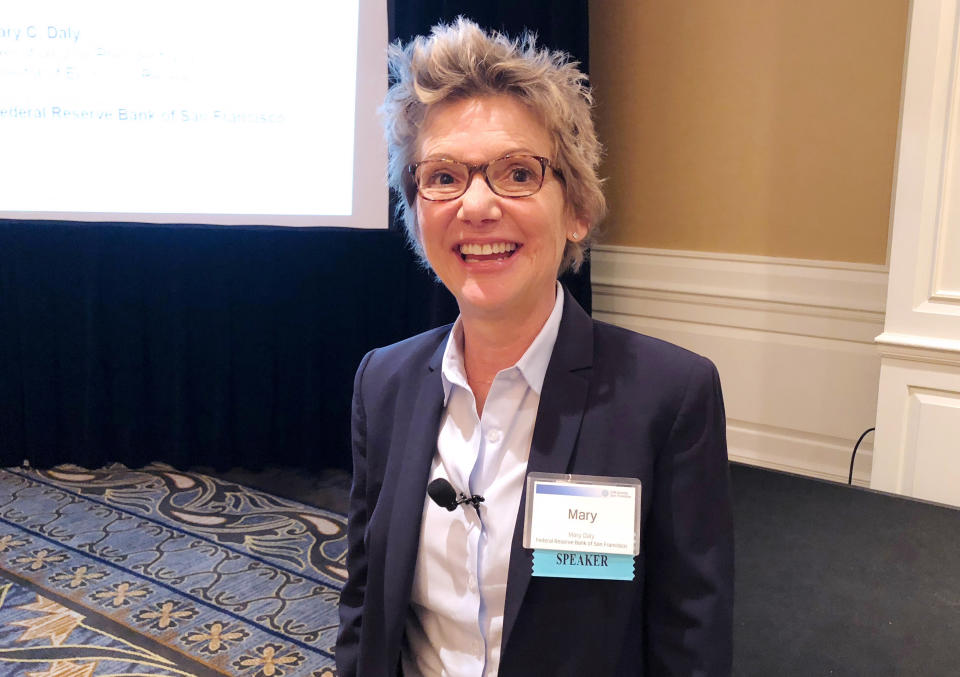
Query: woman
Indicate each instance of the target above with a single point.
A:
(494, 152)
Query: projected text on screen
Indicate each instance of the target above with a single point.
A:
(230, 111)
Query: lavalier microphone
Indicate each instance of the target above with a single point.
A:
(443, 494)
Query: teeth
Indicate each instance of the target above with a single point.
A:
(473, 249)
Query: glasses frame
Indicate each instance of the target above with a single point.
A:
(482, 168)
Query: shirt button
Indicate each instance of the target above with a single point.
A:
(472, 582)
(494, 435)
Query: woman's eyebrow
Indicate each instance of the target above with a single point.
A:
(520, 150)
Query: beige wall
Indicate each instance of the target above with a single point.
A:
(749, 126)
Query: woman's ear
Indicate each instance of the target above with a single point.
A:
(577, 229)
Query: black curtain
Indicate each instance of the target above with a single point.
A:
(213, 345)
(559, 25)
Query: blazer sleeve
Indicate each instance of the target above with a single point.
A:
(689, 542)
(352, 596)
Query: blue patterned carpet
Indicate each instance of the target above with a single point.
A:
(162, 572)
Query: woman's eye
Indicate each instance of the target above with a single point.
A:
(441, 179)
(520, 175)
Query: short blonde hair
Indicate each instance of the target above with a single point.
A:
(460, 61)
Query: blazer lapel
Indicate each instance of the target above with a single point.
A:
(410, 465)
(562, 404)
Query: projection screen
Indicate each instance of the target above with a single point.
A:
(216, 112)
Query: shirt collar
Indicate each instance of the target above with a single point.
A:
(532, 365)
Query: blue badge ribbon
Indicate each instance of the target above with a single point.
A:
(572, 564)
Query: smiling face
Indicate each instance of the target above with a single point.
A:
(499, 256)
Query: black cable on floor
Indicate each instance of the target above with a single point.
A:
(854, 456)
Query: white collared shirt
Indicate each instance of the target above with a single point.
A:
(455, 623)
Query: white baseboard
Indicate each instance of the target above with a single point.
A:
(793, 341)
(798, 452)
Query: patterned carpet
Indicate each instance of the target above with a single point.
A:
(161, 572)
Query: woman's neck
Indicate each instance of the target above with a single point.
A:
(493, 343)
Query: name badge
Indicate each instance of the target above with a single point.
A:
(582, 526)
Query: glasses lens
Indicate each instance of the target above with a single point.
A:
(516, 175)
(441, 179)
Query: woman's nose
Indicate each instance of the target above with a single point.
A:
(479, 203)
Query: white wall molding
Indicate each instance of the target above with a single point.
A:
(927, 349)
(793, 340)
(918, 410)
(821, 285)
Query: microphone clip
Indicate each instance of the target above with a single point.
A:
(443, 494)
(474, 500)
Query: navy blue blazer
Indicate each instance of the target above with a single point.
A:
(614, 403)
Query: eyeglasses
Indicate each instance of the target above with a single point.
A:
(509, 176)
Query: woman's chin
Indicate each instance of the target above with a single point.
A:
(494, 299)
